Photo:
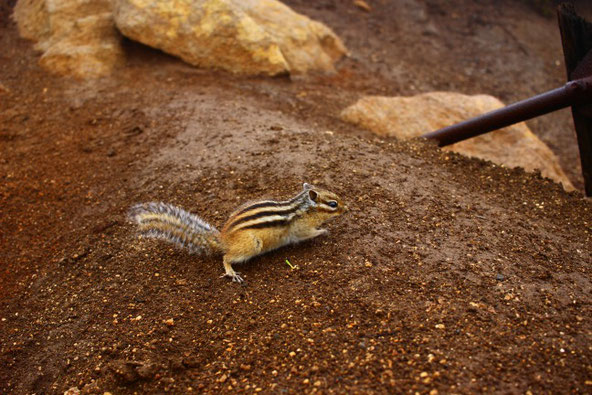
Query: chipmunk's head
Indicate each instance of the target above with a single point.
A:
(326, 203)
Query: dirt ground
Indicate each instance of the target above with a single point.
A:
(448, 275)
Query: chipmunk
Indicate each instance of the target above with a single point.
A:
(252, 229)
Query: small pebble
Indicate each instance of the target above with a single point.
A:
(499, 277)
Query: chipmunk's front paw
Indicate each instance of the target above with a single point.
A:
(235, 277)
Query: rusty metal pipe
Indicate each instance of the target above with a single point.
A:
(573, 93)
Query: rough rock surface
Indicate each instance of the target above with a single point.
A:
(77, 37)
(32, 19)
(408, 117)
(240, 36)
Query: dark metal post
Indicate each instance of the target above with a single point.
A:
(576, 36)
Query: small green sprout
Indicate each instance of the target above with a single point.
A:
(289, 264)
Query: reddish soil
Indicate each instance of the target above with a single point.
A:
(448, 274)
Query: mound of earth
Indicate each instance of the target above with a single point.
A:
(447, 275)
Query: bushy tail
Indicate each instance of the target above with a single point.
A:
(167, 222)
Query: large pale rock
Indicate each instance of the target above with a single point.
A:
(240, 36)
(408, 117)
(77, 37)
(32, 19)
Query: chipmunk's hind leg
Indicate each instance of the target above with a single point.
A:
(244, 248)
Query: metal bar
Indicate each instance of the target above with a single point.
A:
(573, 93)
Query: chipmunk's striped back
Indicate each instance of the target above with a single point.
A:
(267, 214)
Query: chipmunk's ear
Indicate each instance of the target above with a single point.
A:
(306, 186)
(313, 195)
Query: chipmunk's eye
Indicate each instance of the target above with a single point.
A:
(332, 204)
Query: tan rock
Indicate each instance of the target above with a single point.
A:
(91, 48)
(77, 37)
(240, 36)
(32, 19)
(408, 117)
